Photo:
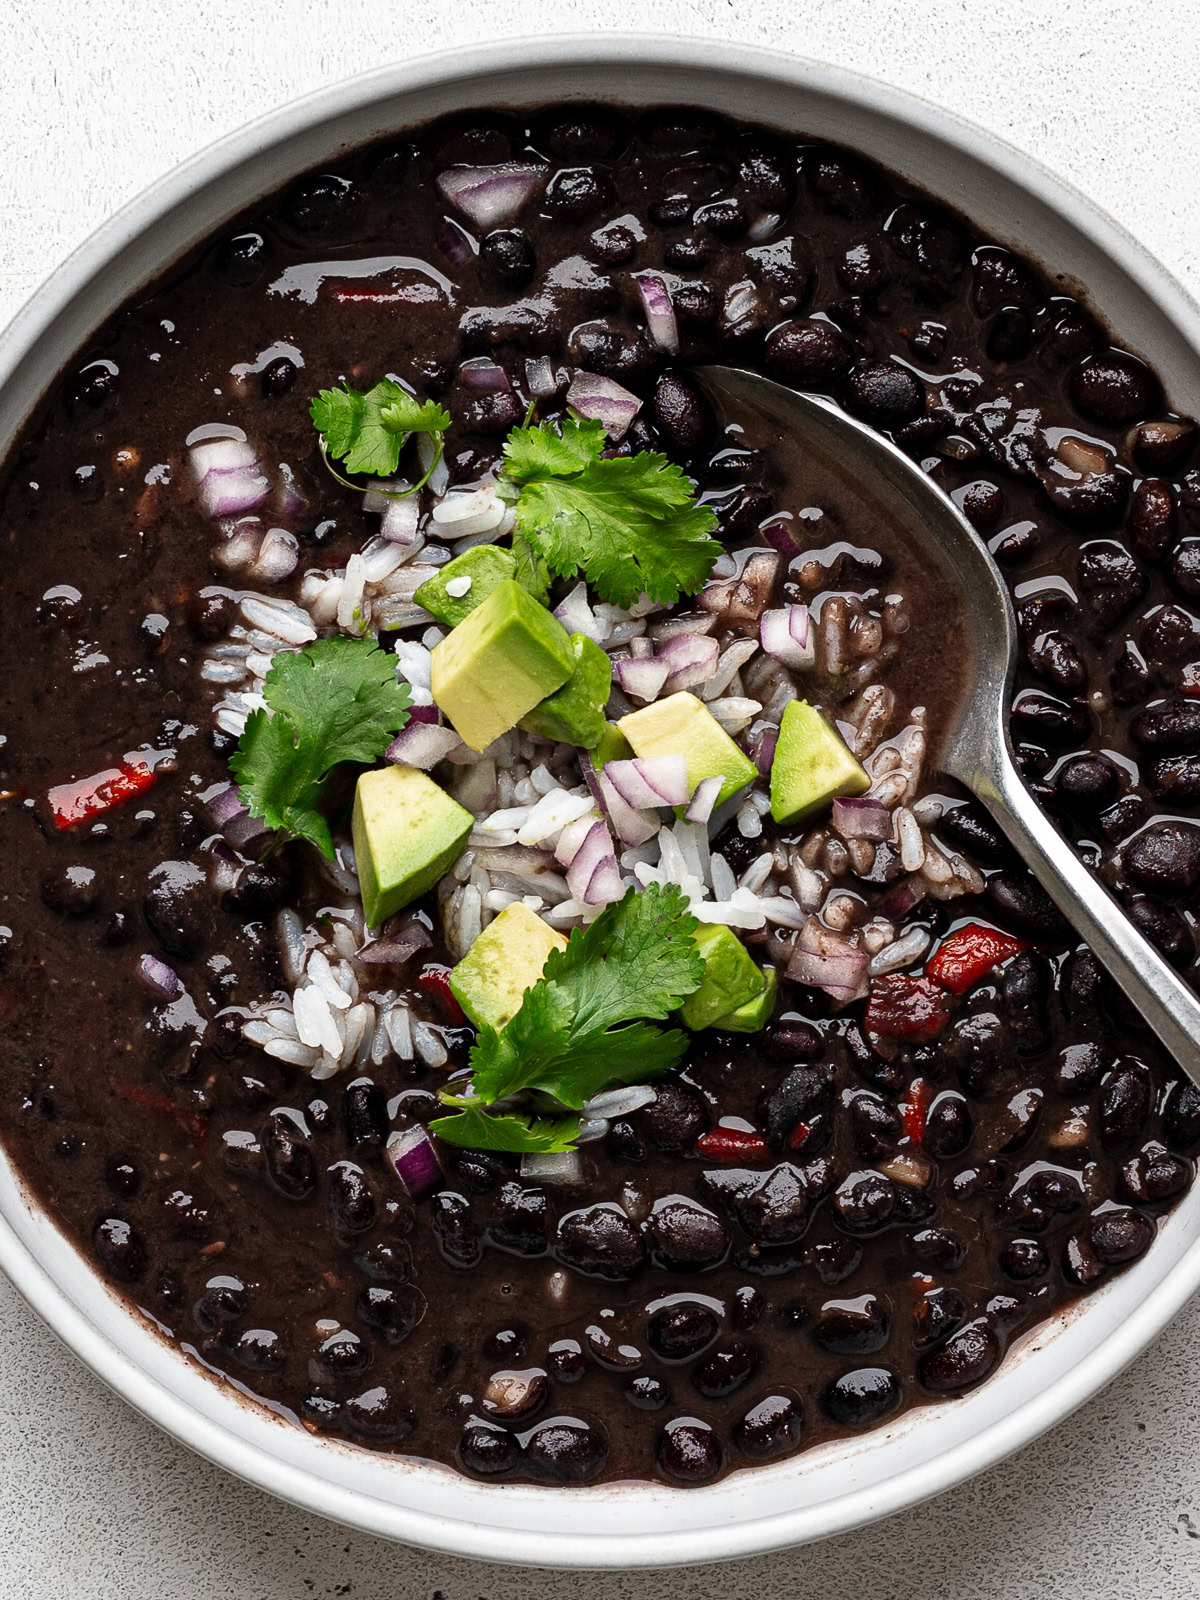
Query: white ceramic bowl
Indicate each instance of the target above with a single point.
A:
(822, 1491)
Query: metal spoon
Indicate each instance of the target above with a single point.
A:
(976, 749)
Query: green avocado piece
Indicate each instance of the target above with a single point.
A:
(730, 977)
(490, 981)
(611, 746)
(484, 569)
(813, 765)
(499, 663)
(407, 833)
(752, 1015)
(683, 725)
(575, 713)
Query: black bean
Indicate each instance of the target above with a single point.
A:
(747, 1307)
(1170, 725)
(1181, 1119)
(979, 1046)
(1165, 928)
(71, 891)
(352, 1205)
(1011, 335)
(455, 1230)
(676, 1118)
(697, 303)
(686, 1236)
(999, 278)
(222, 1303)
(320, 203)
(380, 1415)
(179, 908)
(1124, 1105)
(876, 1127)
(602, 1241)
(1165, 857)
(393, 1311)
(242, 259)
(364, 1112)
(1114, 386)
(677, 1332)
(1130, 678)
(565, 1360)
(776, 1211)
(682, 413)
(581, 133)
(971, 829)
(865, 1396)
(1159, 446)
(928, 341)
(1080, 1068)
(1087, 783)
(884, 394)
(121, 1249)
(578, 192)
(771, 1428)
(948, 1125)
(727, 1369)
(1169, 636)
(966, 1358)
(1152, 519)
(852, 1327)
(506, 257)
(1119, 1236)
(523, 1221)
(863, 269)
(479, 1170)
(566, 1450)
(807, 354)
(864, 1202)
(804, 1094)
(1155, 1175)
(938, 1247)
(259, 890)
(486, 1451)
(1023, 905)
(1023, 1259)
(936, 1315)
(342, 1355)
(1048, 1192)
(290, 1163)
(277, 377)
(689, 1451)
(260, 1350)
(1047, 720)
(389, 1260)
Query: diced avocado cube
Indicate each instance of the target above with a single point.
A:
(730, 977)
(490, 981)
(481, 570)
(752, 1015)
(503, 660)
(407, 833)
(575, 713)
(611, 746)
(813, 765)
(682, 725)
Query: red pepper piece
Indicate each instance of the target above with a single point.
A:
(800, 1136)
(435, 982)
(901, 1007)
(969, 954)
(192, 1122)
(732, 1145)
(72, 803)
(915, 1111)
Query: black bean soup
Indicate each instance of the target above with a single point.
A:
(810, 1228)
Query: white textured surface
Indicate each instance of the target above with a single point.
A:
(100, 97)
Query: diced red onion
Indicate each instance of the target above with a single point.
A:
(159, 978)
(415, 1161)
(593, 877)
(700, 808)
(742, 300)
(577, 616)
(240, 829)
(604, 401)
(901, 898)
(648, 781)
(422, 745)
(824, 960)
(389, 952)
(787, 634)
(540, 377)
(277, 558)
(484, 376)
(630, 826)
(491, 196)
(288, 498)
(424, 714)
(571, 838)
(778, 534)
(226, 867)
(229, 478)
(691, 659)
(455, 244)
(643, 679)
(400, 519)
(557, 1166)
(763, 751)
(857, 817)
(660, 313)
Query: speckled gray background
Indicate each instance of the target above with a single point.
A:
(97, 98)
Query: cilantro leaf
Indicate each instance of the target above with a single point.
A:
(636, 961)
(531, 453)
(337, 700)
(478, 1130)
(368, 431)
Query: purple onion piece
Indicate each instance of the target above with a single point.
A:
(857, 817)
(429, 714)
(593, 871)
(422, 745)
(455, 243)
(660, 313)
(401, 518)
(787, 634)
(763, 755)
(777, 533)
(700, 808)
(490, 196)
(901, 898)
(649, 781)
(632, 827)
(484, 376)
(824, 960)
(414, 1160)
(557, 1166)
(604, 401)
(577, 616)
(389, 952)
(571, 839)
(642, 679)
(540, 377)
(159, 978)
(692, 659)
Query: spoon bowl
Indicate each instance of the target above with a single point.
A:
(975, 748)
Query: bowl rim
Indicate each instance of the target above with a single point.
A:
(720, 1539)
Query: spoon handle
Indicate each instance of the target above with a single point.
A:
(1170, 1007)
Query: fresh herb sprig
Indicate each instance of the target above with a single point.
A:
(368, 430)
(336, 700)
(586, 1024)
(629, 524)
